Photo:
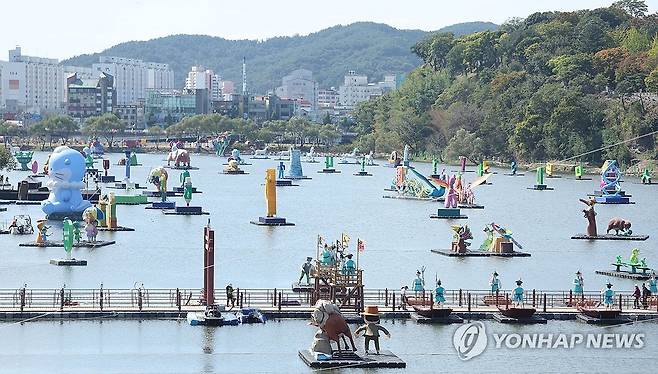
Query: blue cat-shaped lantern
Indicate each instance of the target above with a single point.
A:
(65, 170)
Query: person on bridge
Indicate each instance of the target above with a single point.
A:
(636, 297)
(230, 298)
(307, 267)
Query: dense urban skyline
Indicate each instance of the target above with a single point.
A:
(147, 19)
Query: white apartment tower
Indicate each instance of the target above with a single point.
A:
(33, 84)
(356, 89)
(299, 85)
(159, 76)
(130, 77)
(199, 79)
(133, 76)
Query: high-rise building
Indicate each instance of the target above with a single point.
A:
(327, 98)
(159, 76)
(356, 89)
(130, 77)
(90, 97)
(13, 86)
(200, 79)
(34, 84)
(133, 76)
(299, 85)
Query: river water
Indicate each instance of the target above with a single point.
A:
(166, 251)
(176, 347)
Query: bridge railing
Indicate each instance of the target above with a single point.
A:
(107, 299)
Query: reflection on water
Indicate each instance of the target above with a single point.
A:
(164, 346)
(166, 251)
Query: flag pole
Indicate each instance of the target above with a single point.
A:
(358, 242)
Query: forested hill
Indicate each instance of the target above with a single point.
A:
(369, 48)
(548, 87)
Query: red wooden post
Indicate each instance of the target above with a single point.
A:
(100, 301)
(469, 301)
(394, 301)
(460, 297)
(209, 265)
(274, 298)
(544, 302)
(386, 297)
(533, 298)
(620, 302)
(178, 299)
(139, 298)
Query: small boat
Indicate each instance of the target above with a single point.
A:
(600, 313)
(517, 313)
(251, 315)
(493, 300)
(421, 301)
(431, 312)
(212, 317)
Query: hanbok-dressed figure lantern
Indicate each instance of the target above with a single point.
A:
(187, 191)
(494, 282)
(439, 293)
(419, 281)
(578, 283)
(518, 293)
(608, 296)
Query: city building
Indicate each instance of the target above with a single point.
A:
(132, 77)
(159, 76)
(167, 106)
(356, 89)
(280, 108)
(132, 115)
(82, 72)
(390, 83)
(12, 86)
(299, 85)
(90, 97)
(200, 79)
(31, 84)
(227, 88)
(327, 98)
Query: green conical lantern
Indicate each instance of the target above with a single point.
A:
(578, 170)
(68, 234)
(435, 166)
(329, 162)
(540, 175)
(363, 164)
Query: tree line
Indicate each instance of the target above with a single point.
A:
(548, 87)
(59, 129)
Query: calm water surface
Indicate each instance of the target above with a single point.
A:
(176, 347)
(166, 251)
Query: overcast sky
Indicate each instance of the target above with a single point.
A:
(64, 28)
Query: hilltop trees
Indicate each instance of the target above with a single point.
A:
(551, 86)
